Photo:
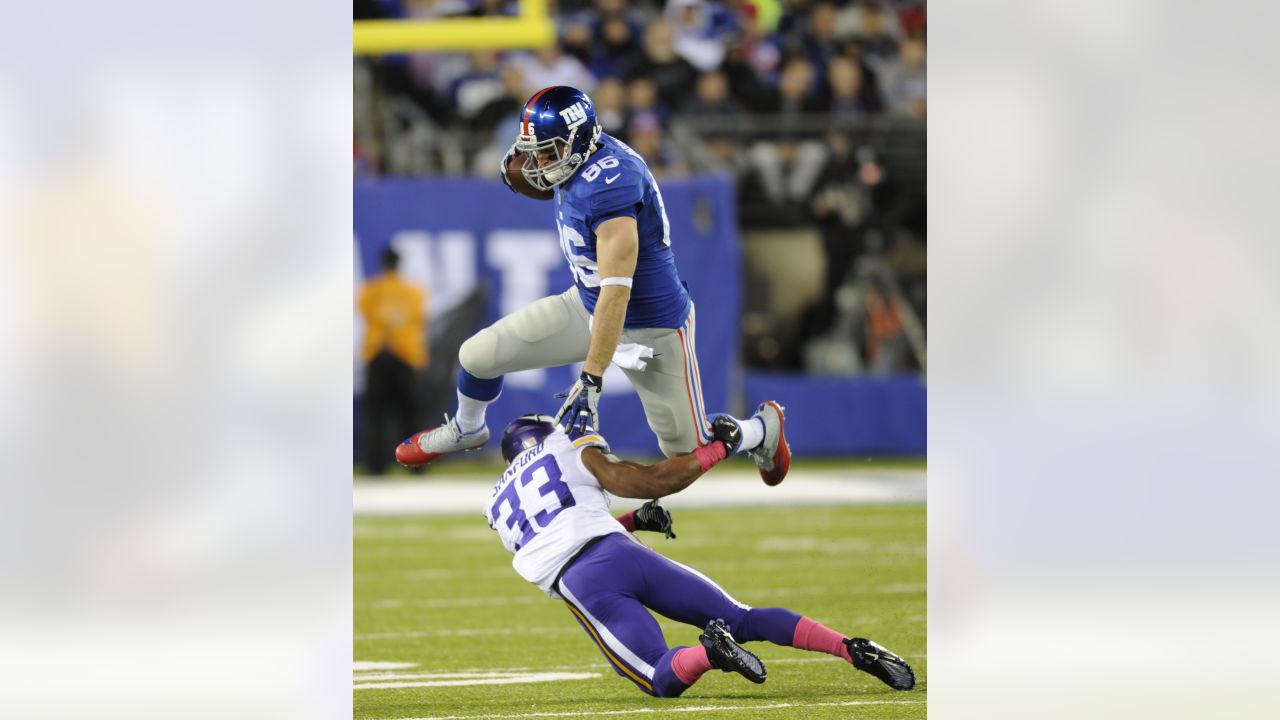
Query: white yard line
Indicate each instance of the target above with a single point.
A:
(421, 674)
(360, 665)
(447, 495)
(464, 679)
(687, 709)
(465, 632)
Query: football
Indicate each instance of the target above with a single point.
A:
(522, 186)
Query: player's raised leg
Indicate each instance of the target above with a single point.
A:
(763, 439)
(549, 332)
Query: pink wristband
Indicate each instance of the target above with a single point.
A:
(628, 520)
(709, 455)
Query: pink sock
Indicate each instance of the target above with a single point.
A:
(811, 635)
(690, 663)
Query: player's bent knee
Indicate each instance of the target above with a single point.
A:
(479, 353)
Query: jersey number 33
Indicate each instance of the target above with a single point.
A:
(530, 502)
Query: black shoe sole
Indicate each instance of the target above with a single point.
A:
(740, 660)
(886, 667)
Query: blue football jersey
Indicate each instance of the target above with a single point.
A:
(615, 182)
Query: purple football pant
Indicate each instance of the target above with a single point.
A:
(609, 586)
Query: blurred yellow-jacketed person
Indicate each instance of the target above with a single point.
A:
(395, 351)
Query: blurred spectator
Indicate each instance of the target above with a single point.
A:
(500, 120)
(745, 83)
(395, 351)
(648, 138)
(699, 30)
(885, 343)
(912, 18)
(433, 73)
(550, 66)
(642, 104)
(869, 89)
(873, 25)
(620, 53)
(673, 75)
(780, 181)
(845, 87)
(902, 80)
(843, 208)
(712, 103)
(795, 97)
(576, 40)
(610, 98)
(758, 48)
(507, 105)
(718, 119)
(477, 87)
(819, 39)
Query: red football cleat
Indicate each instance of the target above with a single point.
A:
(423, 447)
(773, 456)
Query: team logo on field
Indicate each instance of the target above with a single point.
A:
(574, 115)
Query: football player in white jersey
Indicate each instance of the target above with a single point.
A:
(551, 510)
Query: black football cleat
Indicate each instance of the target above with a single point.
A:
(727, 655)
(872, 658)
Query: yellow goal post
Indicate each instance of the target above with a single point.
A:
(531, 28)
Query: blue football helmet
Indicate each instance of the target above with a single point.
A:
(559, 120)
(524, 432)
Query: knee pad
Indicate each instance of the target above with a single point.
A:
(478, 353)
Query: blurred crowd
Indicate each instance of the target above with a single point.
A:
(815, 109)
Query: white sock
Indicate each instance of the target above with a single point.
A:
(752, 433)
(471, 413)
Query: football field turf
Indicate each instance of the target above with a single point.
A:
(444, 628)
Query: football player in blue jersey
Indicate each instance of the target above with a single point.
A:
(627, 304)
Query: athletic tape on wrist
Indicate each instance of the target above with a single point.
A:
(709, 455)
(623, 281)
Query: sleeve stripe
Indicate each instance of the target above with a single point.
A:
(589, 439)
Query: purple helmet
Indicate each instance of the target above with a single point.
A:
(524, 432)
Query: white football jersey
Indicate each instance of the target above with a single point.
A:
(548, 505)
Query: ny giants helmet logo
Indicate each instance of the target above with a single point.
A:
(574, 115)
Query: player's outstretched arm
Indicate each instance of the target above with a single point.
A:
(617, 246)
(625, 478)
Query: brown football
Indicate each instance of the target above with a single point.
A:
(522, 186)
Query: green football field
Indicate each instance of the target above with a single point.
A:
(444, 628)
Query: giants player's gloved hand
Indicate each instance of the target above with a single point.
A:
(653, 517)
(728, 431)
(502, 170)
(580, 407)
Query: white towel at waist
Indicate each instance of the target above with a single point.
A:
(629, 356)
